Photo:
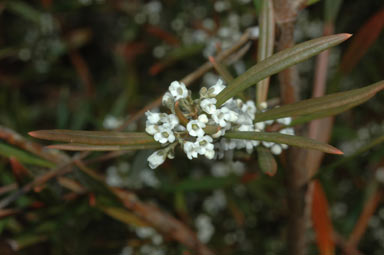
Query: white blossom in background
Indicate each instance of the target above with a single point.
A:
(204, 228)
(111, 122)
(152, 248)
(124, 176)
(216, 202)
(198, 125)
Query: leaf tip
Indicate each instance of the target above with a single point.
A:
(337, 151)
(346, 35)
(33, 133)
(212, 59)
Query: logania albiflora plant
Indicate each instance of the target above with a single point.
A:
(218, 120)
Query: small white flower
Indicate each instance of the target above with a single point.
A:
(208, 105)
(210, 154)
(276, 149)
(380, 174)
(178, 90)
(168, 99)
(284, 146)
(164, 135)
(244, 119)
(267, 144)
(263, 105)
(151, 128)
(169, 120)
(195, 128)
(285, 121)
(249, 146)
(259, 126)
(190, 149)
(205, 146)
(222, 115)
(219, 133)
(179, 128)
(287, 131)
(203, 118)
(232, 116)
(157, 158)
(254, 32)
(250, 108)
(216, 89)
(246, 128)
(153, 117)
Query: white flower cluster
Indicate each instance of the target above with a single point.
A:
(198, 125)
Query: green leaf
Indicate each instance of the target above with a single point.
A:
(323, 106)
(267, 162)
(298, 141)
(279, 62)
(25, 11)
(124, 216)
(265, 44)
(96, 137)
(23, 156)
(87, 147)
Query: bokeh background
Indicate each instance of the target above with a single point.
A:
(91, 64)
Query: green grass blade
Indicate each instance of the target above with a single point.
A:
(279, 62)
(23, 156)
(292, 140)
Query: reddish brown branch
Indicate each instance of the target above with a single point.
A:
(17, 140)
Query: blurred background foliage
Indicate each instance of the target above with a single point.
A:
(91, 64)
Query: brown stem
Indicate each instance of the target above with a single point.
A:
(285, 15)
(17, 140)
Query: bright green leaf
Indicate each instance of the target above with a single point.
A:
(279, 62)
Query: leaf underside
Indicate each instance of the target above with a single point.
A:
(292, 140)
(97, 140)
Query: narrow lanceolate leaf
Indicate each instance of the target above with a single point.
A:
(23, 156)
(323, 106)
(279, 62)
(88, 147)
(322, 223)
(96, 137)
(265, 44)
(124, 216)
(267, 162)
(292, 140)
